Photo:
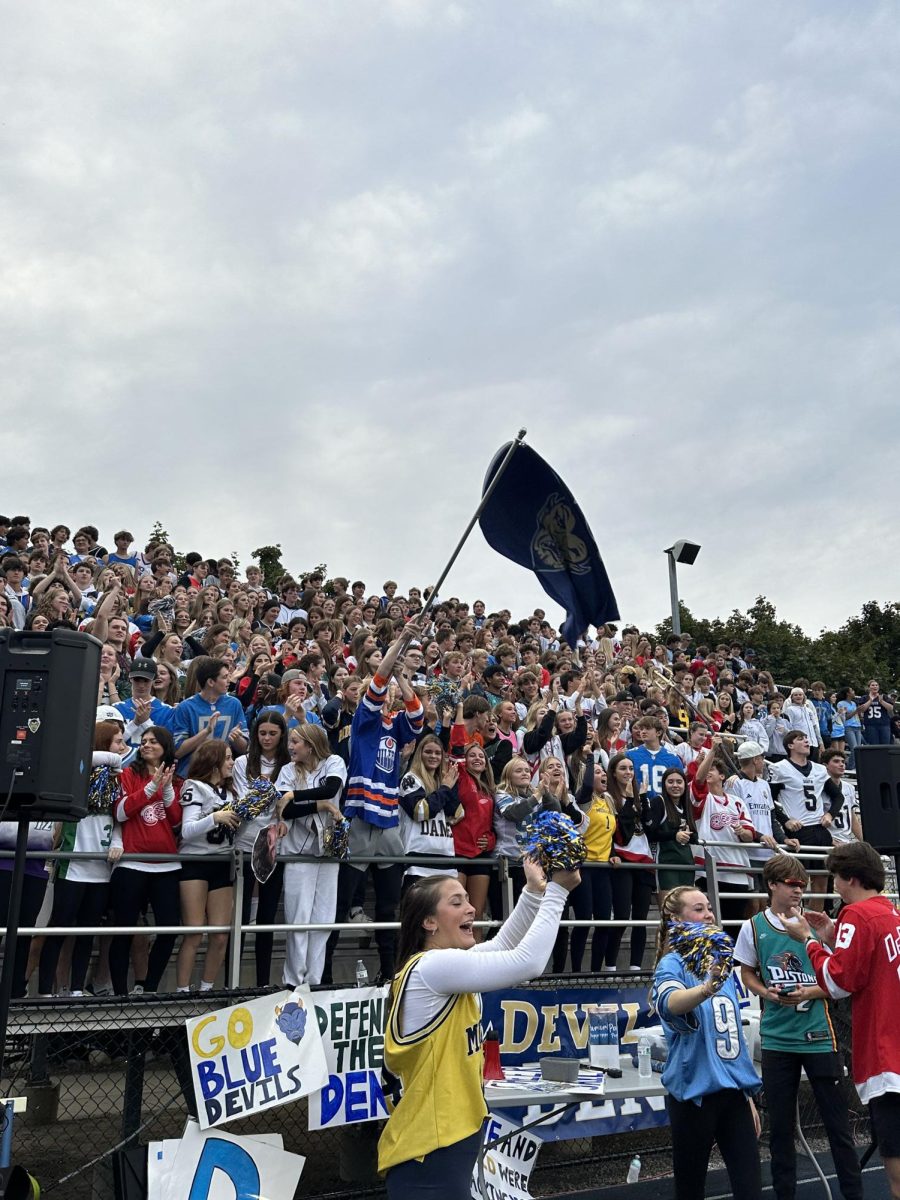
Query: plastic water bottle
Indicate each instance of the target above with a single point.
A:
(634, 1170)
(645, 1067)
(362, 974)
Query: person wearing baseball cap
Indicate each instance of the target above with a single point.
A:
(753, 788)
(106, 712)
(143, 710)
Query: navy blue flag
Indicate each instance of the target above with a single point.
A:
(533, 518)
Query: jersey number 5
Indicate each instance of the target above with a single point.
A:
(809, 793)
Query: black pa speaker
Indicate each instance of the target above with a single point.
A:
(48, 706)
(878, 783)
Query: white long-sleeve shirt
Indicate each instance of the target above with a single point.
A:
(518, 952)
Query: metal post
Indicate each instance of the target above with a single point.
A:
(37, 1071)
(234, 942)
(138, 1040)
(6, 1139)
(673, 593)
(513, 446)
(712, 885)
(506, 887)
(12, 931)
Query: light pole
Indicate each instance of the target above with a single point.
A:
(679, 552)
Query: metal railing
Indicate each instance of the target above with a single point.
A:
(238, 931)
(83, 1110)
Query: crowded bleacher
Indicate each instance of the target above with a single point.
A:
(236, 714)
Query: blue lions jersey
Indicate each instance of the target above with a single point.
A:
(706, 1046)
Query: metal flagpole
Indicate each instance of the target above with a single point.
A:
(429, 603)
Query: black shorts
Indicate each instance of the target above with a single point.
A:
(885, 1113)
(812, 835)
(215, 873)
(478, 866)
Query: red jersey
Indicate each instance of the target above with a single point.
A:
(865, 964)
(148, 825)
(477, 820)
(718, 818)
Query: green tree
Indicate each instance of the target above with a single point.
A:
(159, 533)
(269, 559)
(865, 647)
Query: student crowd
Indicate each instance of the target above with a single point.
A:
(436, 735)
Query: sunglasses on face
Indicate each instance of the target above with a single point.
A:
(800, 883)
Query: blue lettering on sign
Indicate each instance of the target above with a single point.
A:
(234, 1162)
(527, 1021)
(357, 1096)
(256, 1061)
(353, 1096)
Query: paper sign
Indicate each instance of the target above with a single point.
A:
(507, 1168)
(351, 1022)
(220, 1166)
(255, 1056)
(161, 1159)
(518, 1079)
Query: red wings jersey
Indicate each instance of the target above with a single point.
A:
(718, 819)
(865, 964)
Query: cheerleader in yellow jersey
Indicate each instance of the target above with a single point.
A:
(433, 1038)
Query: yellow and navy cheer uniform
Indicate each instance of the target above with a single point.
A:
(440, 1068)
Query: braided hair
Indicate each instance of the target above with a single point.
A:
(669, 911)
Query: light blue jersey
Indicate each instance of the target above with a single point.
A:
(649, 767)
(160, 714)
(706, 1046)
(195, 713)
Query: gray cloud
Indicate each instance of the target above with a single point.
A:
(293, 275)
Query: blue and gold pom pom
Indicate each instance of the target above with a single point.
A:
(552, 840)
(259, 796)
(336, 840)
(703, 947)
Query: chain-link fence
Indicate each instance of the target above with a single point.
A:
(105, 1074)
(100, 1074)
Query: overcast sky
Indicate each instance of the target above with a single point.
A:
(292, 272)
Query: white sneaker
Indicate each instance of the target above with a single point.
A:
(357, 915)
(137, 990)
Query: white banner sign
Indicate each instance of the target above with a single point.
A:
(203, 1165)
(254, 1056)
(351, 1022)
(507, 1168)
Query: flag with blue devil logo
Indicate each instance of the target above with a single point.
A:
(533, 518)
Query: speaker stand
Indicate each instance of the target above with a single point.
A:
(12, 934)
